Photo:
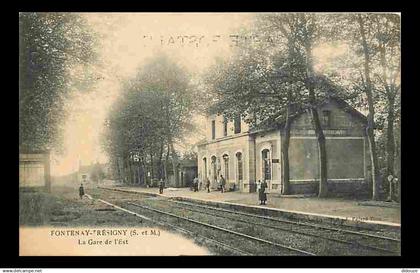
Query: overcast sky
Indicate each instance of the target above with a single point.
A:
(127, 39)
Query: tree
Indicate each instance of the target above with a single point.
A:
(387, 43)
(272, 83)
(301, 32)
(309, 31)
(370, 69)
(375, 39)
(257, 88)
(153, 113)
(172, 84)
(132, 132)
(50, 46)
(371, 121)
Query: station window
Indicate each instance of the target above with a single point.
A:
(226, 166)
(266, 164)
(326, 118)
(213, 168)
(240, 166)
(204, 168)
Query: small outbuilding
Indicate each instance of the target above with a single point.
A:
(34, 169)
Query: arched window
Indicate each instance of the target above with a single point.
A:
(204, 169)
(213, 168)
(266, 164)
(240, 166)
(226, 166)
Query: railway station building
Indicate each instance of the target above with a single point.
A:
(244, 155)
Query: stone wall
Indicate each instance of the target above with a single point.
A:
(230, 147)
(335, 187)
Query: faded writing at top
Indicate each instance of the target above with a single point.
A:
(197, 40)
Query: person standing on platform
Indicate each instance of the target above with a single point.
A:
(161, 186)
(263, 193)
(222, 184)
(208, 184)
(81, 191)
(195, 183)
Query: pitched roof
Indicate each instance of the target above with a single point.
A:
(279, 121)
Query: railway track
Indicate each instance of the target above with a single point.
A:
(333, 234)
(171, 220)
(182, 230)
(218, 228)
(296, 238)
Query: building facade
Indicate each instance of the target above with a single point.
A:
(34, 169)
(244, 155)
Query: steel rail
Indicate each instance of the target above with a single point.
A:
(226, 230)
(290, 222)
(170, 225)
(275, 219)
(294, 231)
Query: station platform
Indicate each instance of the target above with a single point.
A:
(383, 214)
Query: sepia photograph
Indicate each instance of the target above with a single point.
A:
(210, 134)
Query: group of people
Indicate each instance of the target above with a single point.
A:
(196, 185)
(221, 182)
(261, 187)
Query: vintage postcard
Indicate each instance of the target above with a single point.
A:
(229, 134)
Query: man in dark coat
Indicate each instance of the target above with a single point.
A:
(222, 183)
(81, 191)
(262, 193)
(161, 186)
(208, 184)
